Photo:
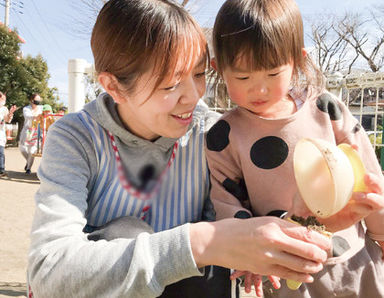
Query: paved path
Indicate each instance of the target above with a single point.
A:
(16, 213)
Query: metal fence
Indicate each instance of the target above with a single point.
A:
(363, 93)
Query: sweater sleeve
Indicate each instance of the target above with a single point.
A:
(348, 130)
(228, 191)
(63, 262)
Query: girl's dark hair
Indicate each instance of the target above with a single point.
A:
(131, 37)
(268, 34)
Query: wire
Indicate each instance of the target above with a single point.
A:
(49, 32)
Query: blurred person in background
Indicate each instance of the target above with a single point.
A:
(29, 133)
(5, 117)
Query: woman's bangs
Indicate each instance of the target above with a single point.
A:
(189, 50)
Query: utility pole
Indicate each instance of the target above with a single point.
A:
(6, 17)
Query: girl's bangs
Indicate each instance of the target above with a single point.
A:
(257, 52)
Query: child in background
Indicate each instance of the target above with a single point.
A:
(260, 55)
(42, 123)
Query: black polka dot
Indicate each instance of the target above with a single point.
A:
(242, 214)
(276, 213)
(356, 128)
(218, 136)
(339, 246)
(329, 105)
(269, 152)
(239, 190)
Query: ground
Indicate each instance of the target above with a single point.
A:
(16, 214)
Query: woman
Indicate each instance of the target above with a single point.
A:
(29, 133)
(137, 152)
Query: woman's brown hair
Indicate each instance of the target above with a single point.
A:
(268, 34)
(131, 37)
(33, 96)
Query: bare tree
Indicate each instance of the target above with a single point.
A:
(354, 30)
(332, 52)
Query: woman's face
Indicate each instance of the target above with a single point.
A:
(36, 101)
(168, 110)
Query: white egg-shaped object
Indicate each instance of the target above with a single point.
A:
(324, 176)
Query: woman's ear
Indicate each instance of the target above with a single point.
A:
(111, 86)
(304, 52)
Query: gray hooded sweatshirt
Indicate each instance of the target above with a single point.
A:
(62, 262)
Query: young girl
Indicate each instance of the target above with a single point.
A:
(260, 55)
(124, 181)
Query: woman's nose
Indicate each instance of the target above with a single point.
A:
(192, 91)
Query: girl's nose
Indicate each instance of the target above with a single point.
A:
(259, 89)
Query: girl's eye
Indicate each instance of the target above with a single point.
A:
(171, 88)
(242, 78)
(273, 74)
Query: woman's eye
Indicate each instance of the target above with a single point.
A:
(242, 78)
(171, 88)
(201, 74)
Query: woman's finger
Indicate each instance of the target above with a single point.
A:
(293, 262)
(286, 273)
(300, 236)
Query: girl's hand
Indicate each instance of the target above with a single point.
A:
(359, 206)
(255, 280)
(263, 245)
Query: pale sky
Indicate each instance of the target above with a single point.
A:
(48, 26)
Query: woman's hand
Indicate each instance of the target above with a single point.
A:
(359, 206)
(262, 245)
(13, 109)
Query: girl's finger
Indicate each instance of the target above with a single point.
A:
(372, 200)
(248, 283)
(374, 183)
(275, 281)
(258, 284)
(237, 274)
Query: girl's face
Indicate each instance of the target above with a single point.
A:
(263, 92)
(168, 110)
